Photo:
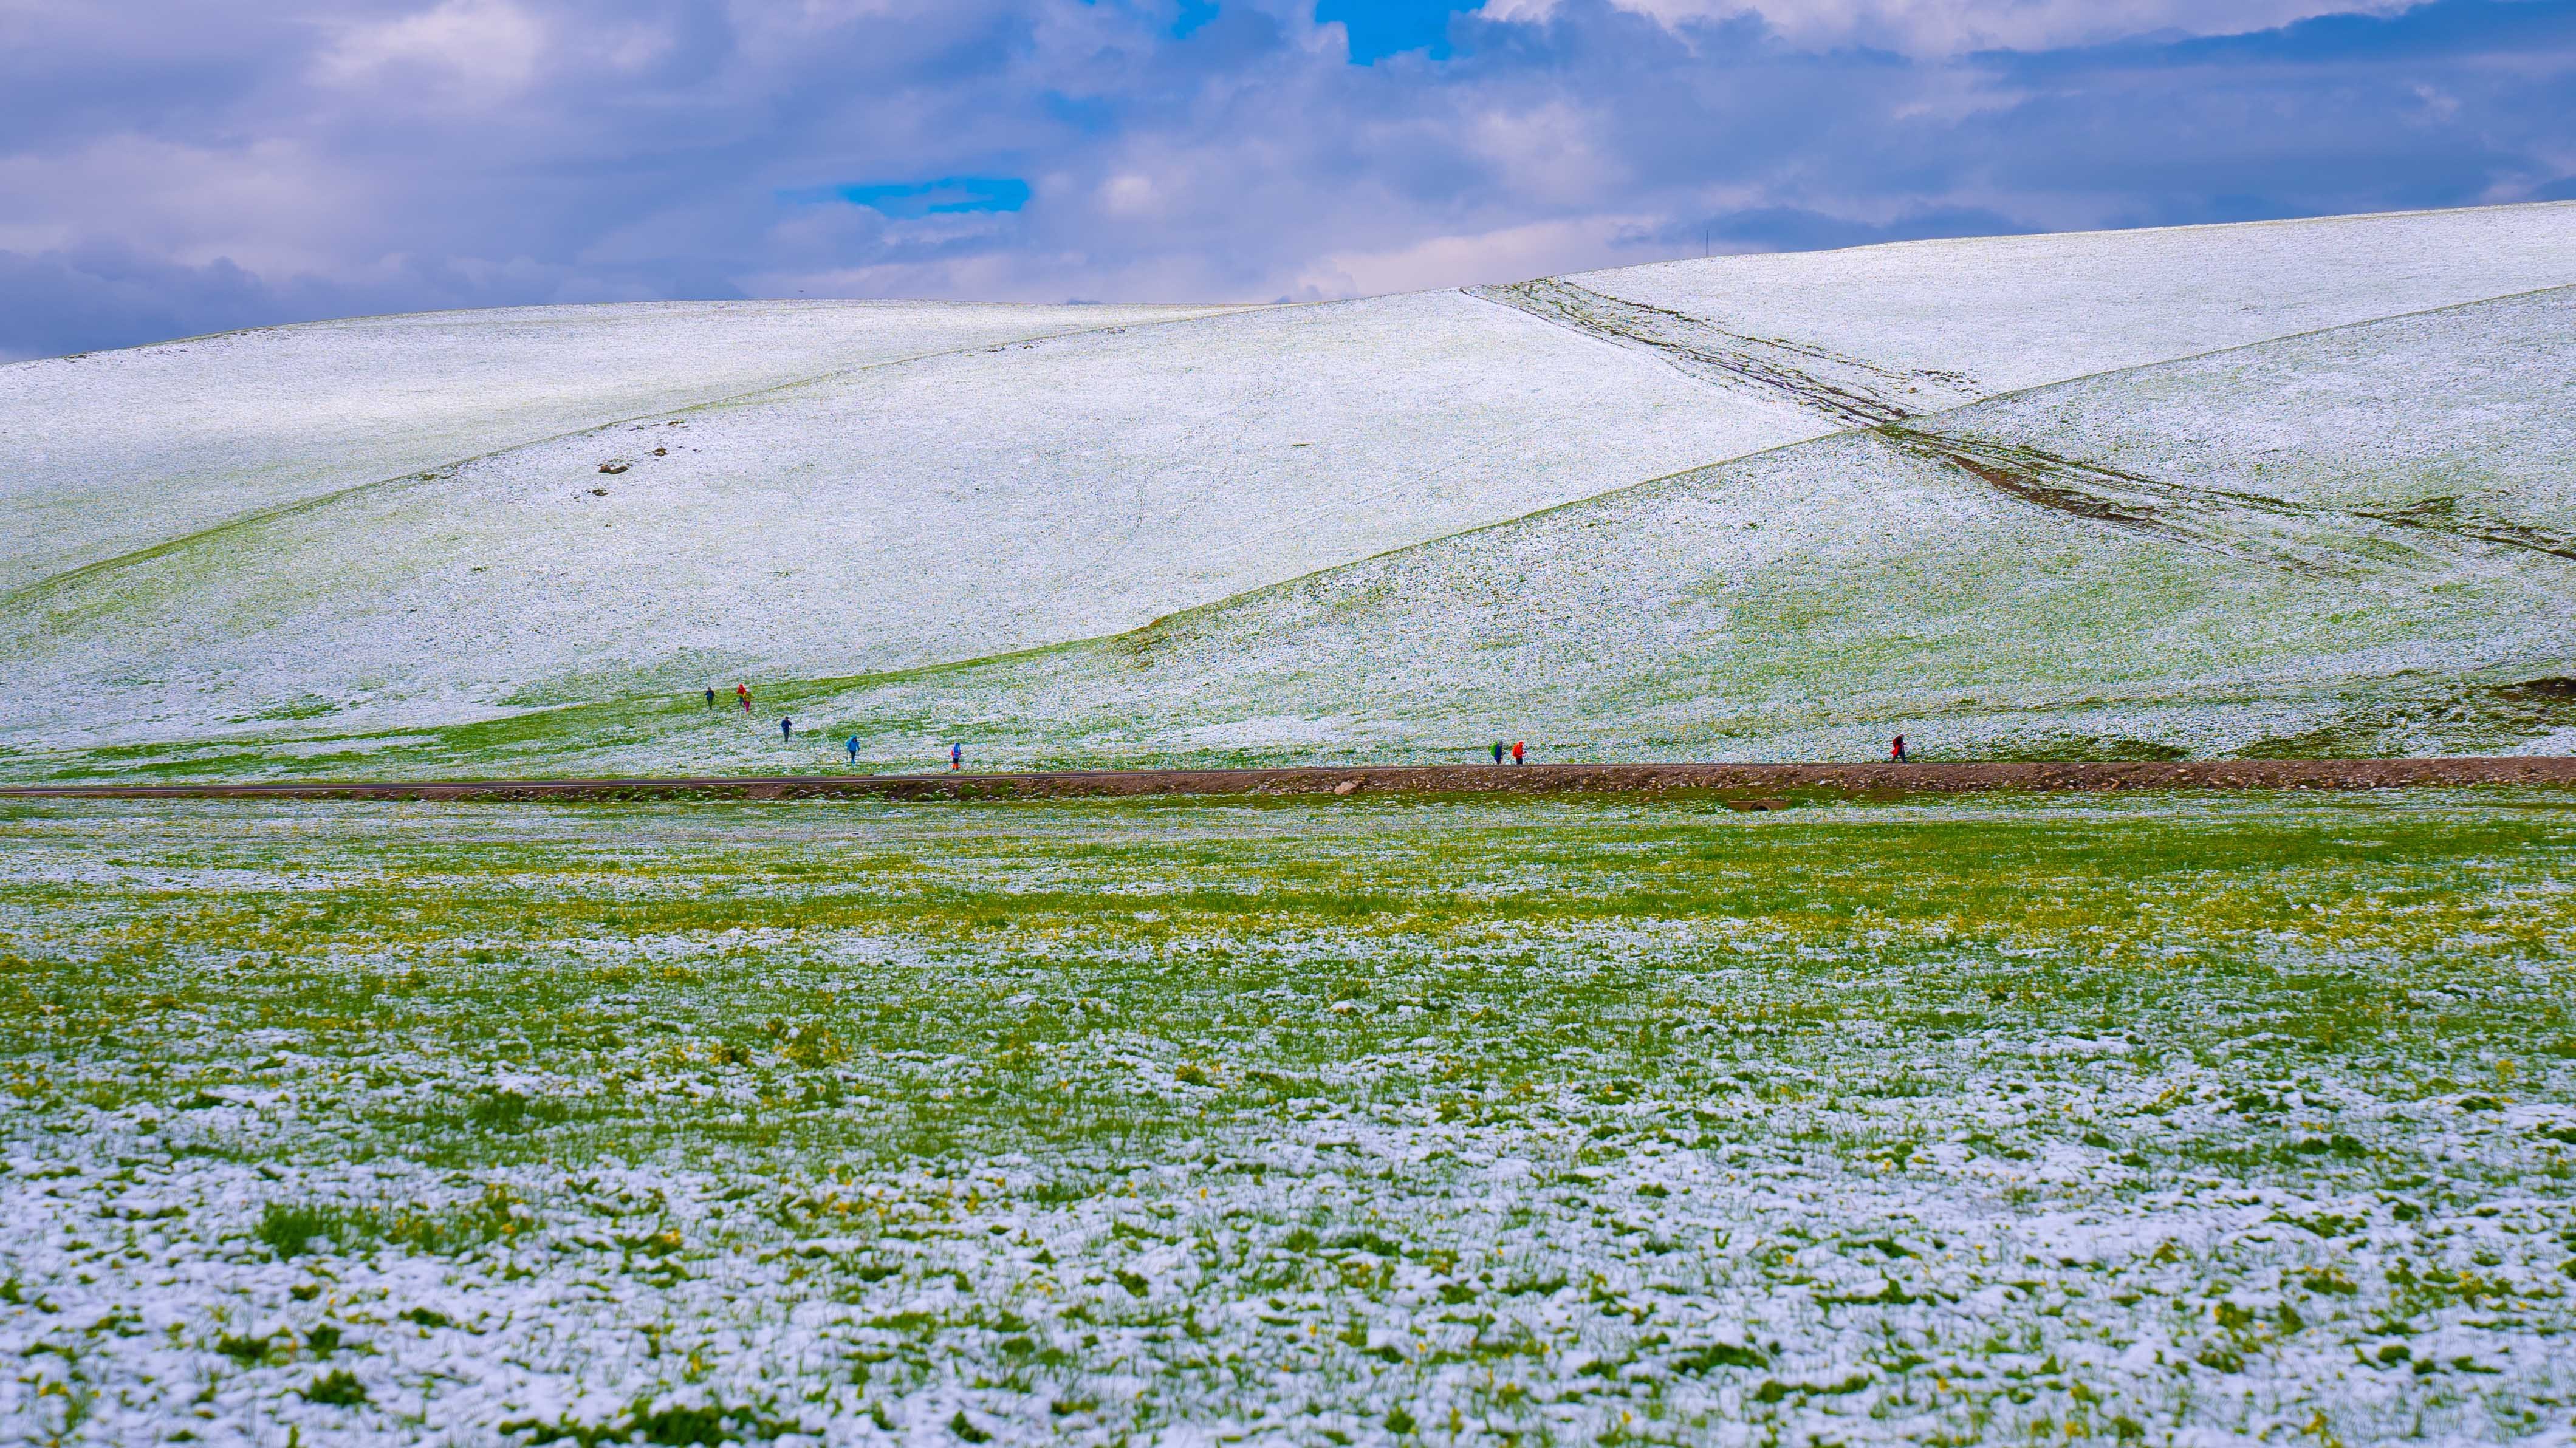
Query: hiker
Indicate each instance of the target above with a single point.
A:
(1896, 750)
(1498, 751)
(743, 692)
(854, 748)
(786, 729)
(956, 757)
(1519, 751)
(711, 696)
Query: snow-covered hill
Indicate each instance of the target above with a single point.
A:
(948, 508)
(2362, 540)
(109, 452)
(2295, 486)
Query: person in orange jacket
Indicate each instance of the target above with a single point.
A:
(1519, 750)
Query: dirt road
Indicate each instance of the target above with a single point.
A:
(1749, 785)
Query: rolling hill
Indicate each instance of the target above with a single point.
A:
(2282, 488)
(117, 452)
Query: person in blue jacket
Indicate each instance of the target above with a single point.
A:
(956, 756)
(854, 749)
(786, 728)
(711, 696)
(1498, 751)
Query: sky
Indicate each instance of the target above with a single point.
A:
(175, 167)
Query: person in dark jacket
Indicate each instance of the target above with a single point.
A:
(1498, 751)
(711, 696)
(786, 728)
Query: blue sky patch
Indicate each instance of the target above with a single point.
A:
(905, 201)
(1380, 28)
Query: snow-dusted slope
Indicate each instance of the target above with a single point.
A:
(2317, 533)
(2361, 539)
(108, 452)
(2356, 541)
(2449, 422)
(948, 508)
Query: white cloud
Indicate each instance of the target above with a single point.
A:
(476, 46)
(1546, 153)
(271, 205)
(1508, 254)
(1949, 27)
(1128, 195)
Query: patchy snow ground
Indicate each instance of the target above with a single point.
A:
(1325, 1123)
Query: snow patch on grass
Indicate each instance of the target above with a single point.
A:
(2155, 1119)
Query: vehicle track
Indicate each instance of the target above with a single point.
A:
(1849, 391)
(1747, 786)
(2251, 526)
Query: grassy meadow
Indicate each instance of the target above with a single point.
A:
(2176, 1119)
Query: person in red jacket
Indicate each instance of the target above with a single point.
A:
(1896, 750)
(743, 692)
(1519, 750)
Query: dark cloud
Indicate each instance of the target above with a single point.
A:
(104, 295)
(187, 170)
